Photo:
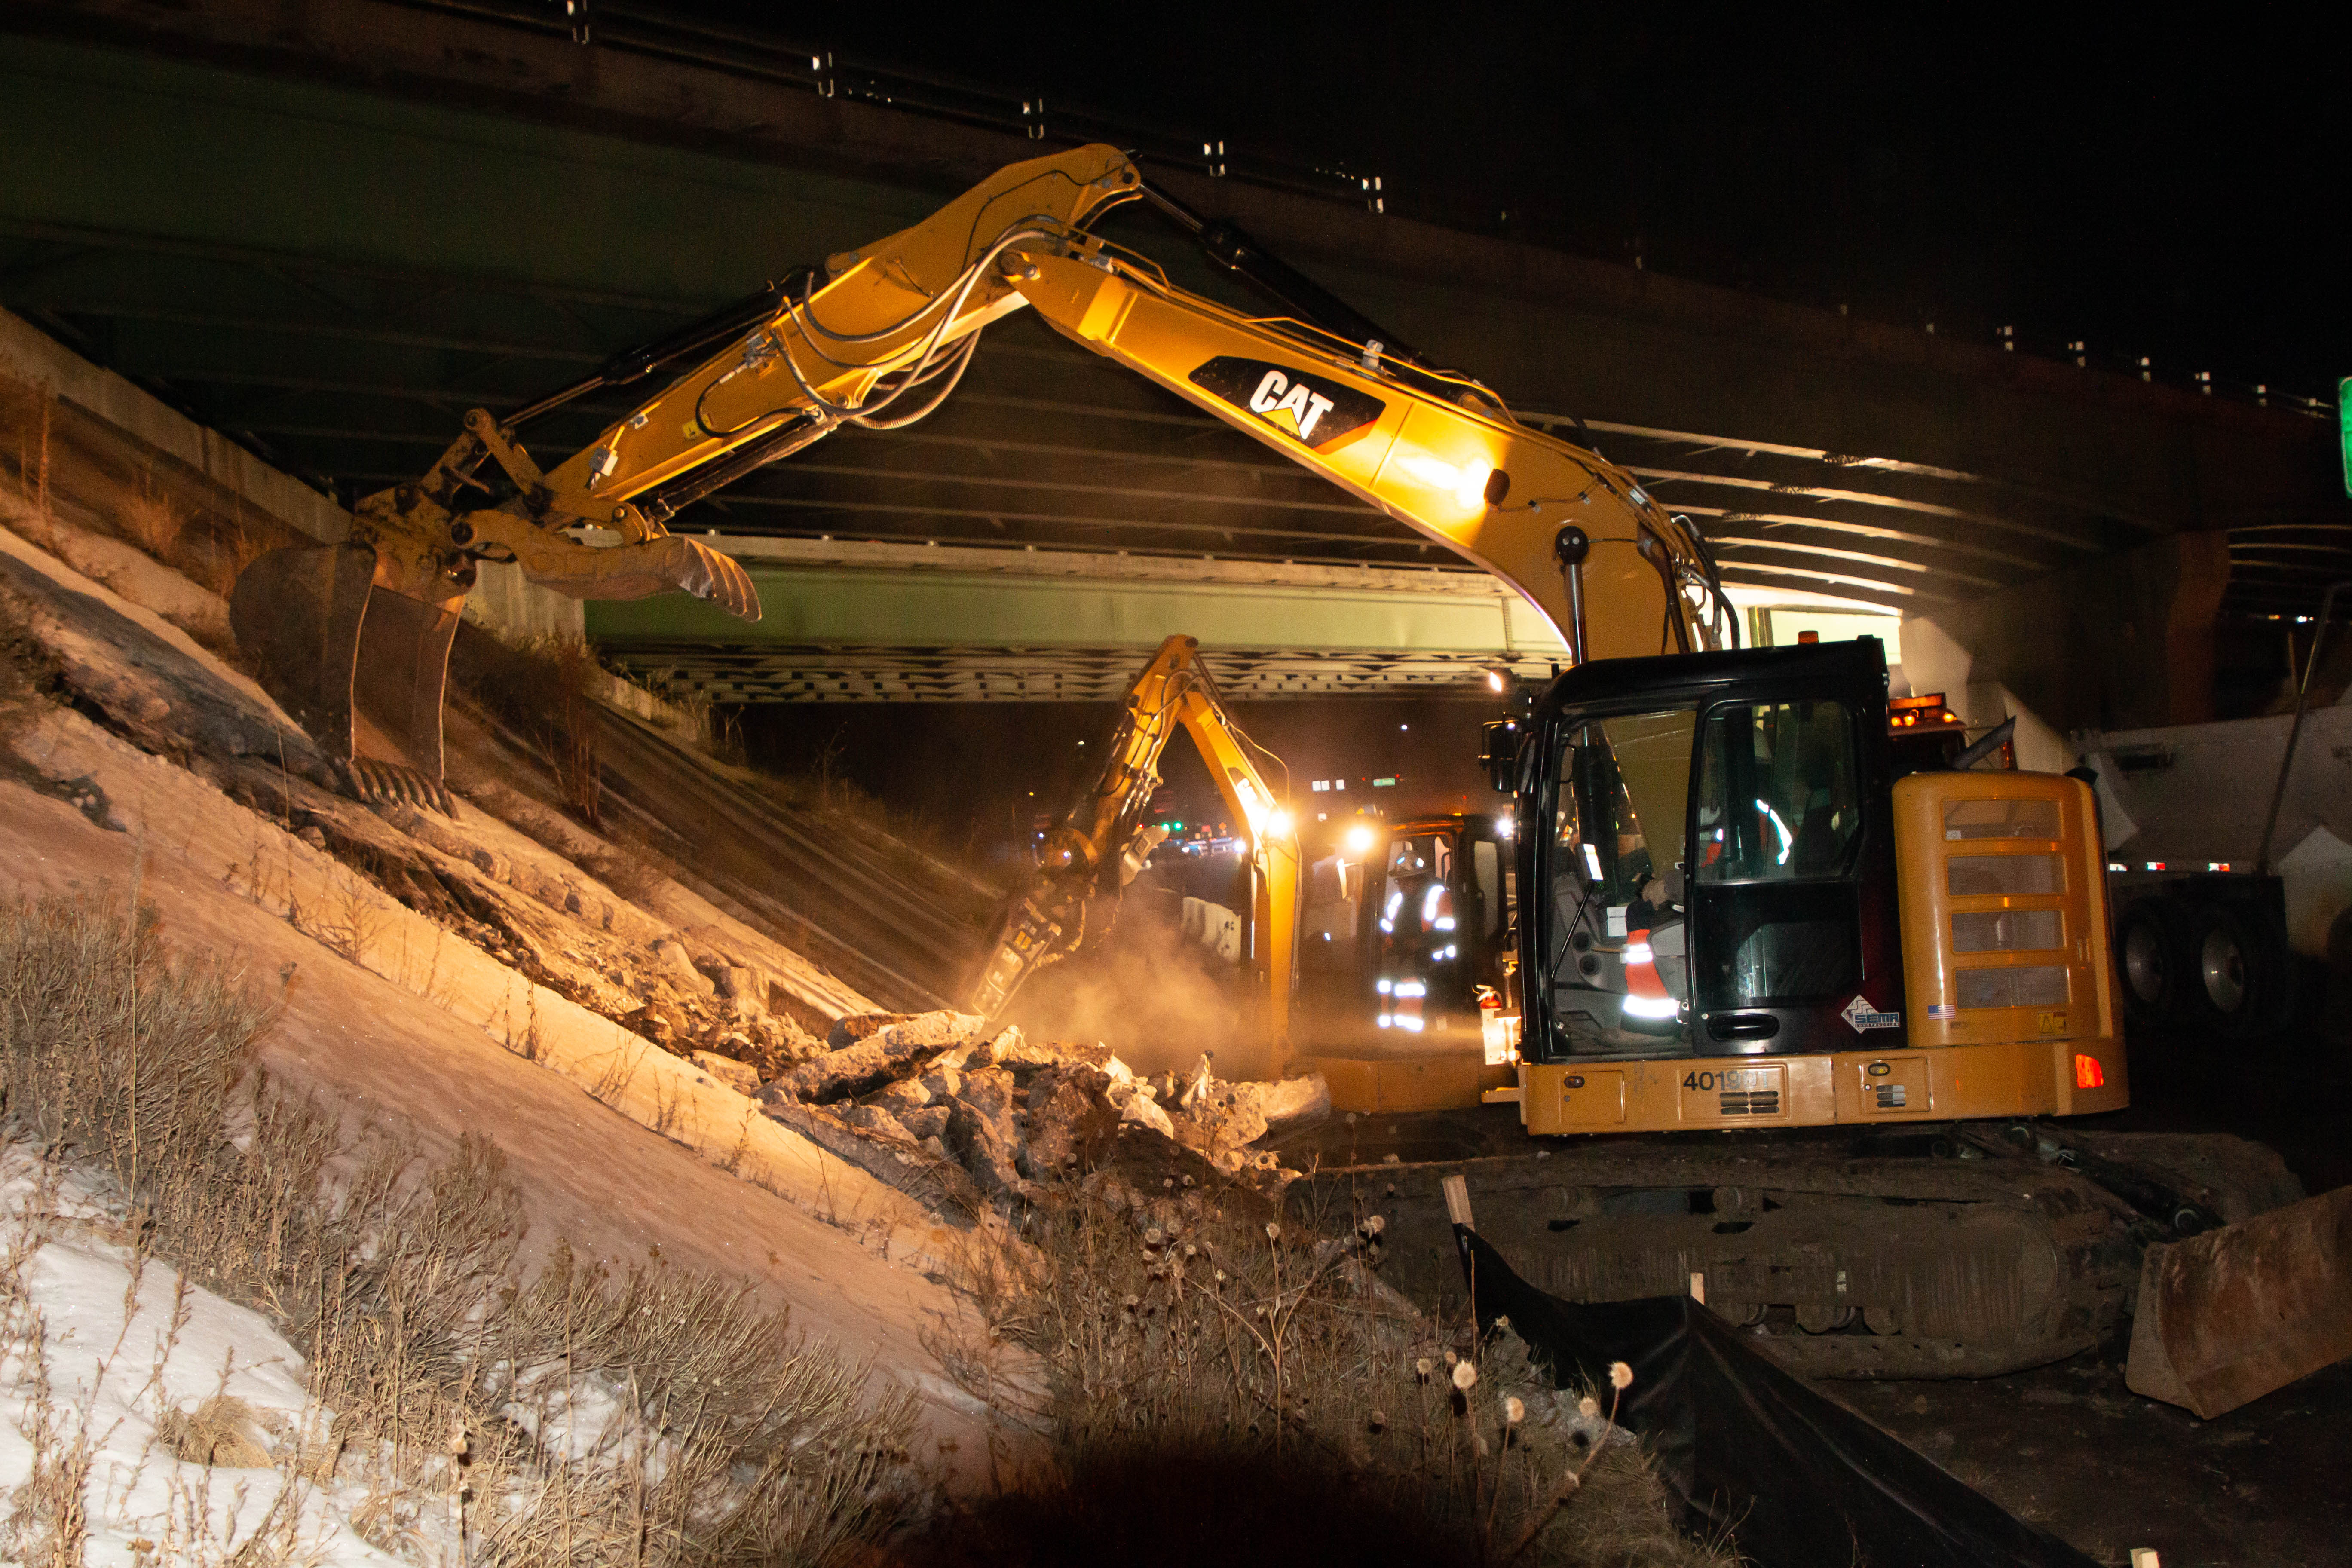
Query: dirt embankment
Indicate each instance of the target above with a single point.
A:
(474, 971)
(456, 977)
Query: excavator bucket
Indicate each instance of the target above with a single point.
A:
(2226, 1317)
(358, 665)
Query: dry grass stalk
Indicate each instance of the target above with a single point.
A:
(544, 691)
(229, 548)
(151, 521)
(36, 419)
(1193, 1350)
(576, 743)
(563, 1416)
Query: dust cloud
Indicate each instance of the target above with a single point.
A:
(1156, 997)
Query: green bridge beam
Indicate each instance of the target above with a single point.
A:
(858, 621)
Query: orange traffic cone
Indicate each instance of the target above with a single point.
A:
(1646, 1001)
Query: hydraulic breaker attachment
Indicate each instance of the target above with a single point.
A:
(2226, 1317)
(1036, 931)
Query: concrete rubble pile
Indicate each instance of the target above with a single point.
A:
(938, 1105)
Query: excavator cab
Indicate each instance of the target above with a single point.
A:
(1435, 928)
(1739, 916)
(1717, 854)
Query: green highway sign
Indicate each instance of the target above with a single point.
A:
(2343, 429)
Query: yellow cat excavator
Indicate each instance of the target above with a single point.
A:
(1868, 992)
(1090, 857)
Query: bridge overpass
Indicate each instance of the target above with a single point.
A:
(852, 621)
(329, 231)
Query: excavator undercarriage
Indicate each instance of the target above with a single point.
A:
(1965, 1250)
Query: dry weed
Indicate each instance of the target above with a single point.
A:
(230, 547)
(1221, 1385)
(556, 1415)
(220, 1431)
(47, 1516)
(542, 691)
(152, 521)
(30, 416)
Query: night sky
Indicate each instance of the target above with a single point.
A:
(2154, 182)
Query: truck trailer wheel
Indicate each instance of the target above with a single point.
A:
(2241, 980)
(2153, 958)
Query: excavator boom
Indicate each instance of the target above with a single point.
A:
(879, 337)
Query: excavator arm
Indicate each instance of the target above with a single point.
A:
(355, 637)
(1104, 841)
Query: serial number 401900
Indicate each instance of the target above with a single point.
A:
(1749, 1079)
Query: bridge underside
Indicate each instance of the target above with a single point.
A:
(331, 244)
(898, 672)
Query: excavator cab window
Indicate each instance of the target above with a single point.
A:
(1619, 971)
(1419, 933)
(1778, 821)
(1716, 857)
(1777, 795)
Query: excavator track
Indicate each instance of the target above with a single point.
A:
(1954, 1251)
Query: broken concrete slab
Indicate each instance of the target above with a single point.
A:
(937, 1030)
(928, 1175)
(906, 1095)
(873, 1118)
(736, 983)
(895, 1050)
(929, 1122)
(736, 1075)
(679, 965)
(1291, 1104)
(983, 1135)
(1071, 1122)
(1139, 1107)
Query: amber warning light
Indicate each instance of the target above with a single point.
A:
(2088, 1073)
(1912, 712)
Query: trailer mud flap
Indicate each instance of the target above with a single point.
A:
(1752, 1450)
(2226, 1317)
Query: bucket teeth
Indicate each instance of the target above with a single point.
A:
(392, 783)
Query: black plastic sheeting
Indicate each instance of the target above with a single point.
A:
(1748, 1448)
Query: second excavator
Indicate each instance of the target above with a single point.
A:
(1100, 845)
